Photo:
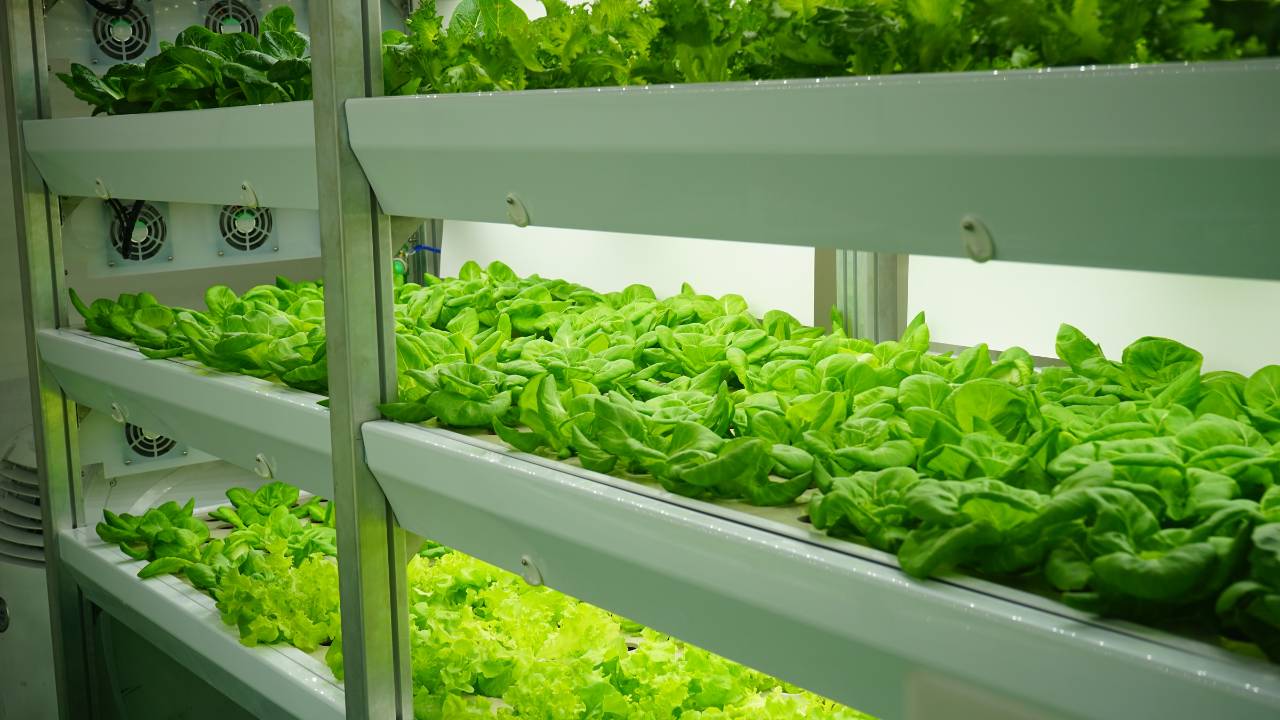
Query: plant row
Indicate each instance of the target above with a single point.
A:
(1141, 488)
(482, 642)
(493, 45)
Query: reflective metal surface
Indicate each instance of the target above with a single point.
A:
(356, 253)
(24, 84)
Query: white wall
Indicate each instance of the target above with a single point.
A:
(1233, 322)
(768, 276)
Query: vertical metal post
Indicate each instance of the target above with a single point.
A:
(24, 65)
(872, 293)
(355, 240)
(826, 277)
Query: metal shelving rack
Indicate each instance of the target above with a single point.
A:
(1156, 168)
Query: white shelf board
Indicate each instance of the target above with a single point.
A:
(193, 156)
(232, 417)
(270, 681)
(839, 623)
(1164, 167)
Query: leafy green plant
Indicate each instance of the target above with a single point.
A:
(493, 45)
(483, 643)
(204, 69)
(1131, 487)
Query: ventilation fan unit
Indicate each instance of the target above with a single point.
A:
(129, 449)
(244, 229)
(231, 16)
(127, 33)
(20, 530)
(145, 242)
(147, 445)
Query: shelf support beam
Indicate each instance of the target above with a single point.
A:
(35, 218)
(355, 240)
(871, 292)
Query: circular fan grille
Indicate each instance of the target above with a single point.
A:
(230, 16)
(147, 444)
(124, 37)
(244, 228)
(147, 238)
(20, 535)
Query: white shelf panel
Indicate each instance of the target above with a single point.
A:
(1166, 167)
(195, 156)
(841, 624)
(270, 681)
(231, 417)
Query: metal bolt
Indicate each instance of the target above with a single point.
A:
(170, 258)
(275, 249)
(221, 253)
(184, 452)
(111, 263)
(128, 462)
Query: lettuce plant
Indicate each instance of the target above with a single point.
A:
(483, 643)
(204, 69)
(493, 45)
(1131, 487)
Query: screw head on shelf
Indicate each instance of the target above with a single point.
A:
(977, 241)
(516, 211)
(529, 571)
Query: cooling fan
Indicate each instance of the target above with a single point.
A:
(123, 30)
(231, 16)
(146, 444)
(145, 241)
(244, 228)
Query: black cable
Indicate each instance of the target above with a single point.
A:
(125, 220)
(109, 9)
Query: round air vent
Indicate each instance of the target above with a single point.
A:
(147, 238)
(230, 16)
(244, 228)
(20, 534)
(145, 443)
(123, 37)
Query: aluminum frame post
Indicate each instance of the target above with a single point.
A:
(37, 221)
(871, 291)
(355, 241)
